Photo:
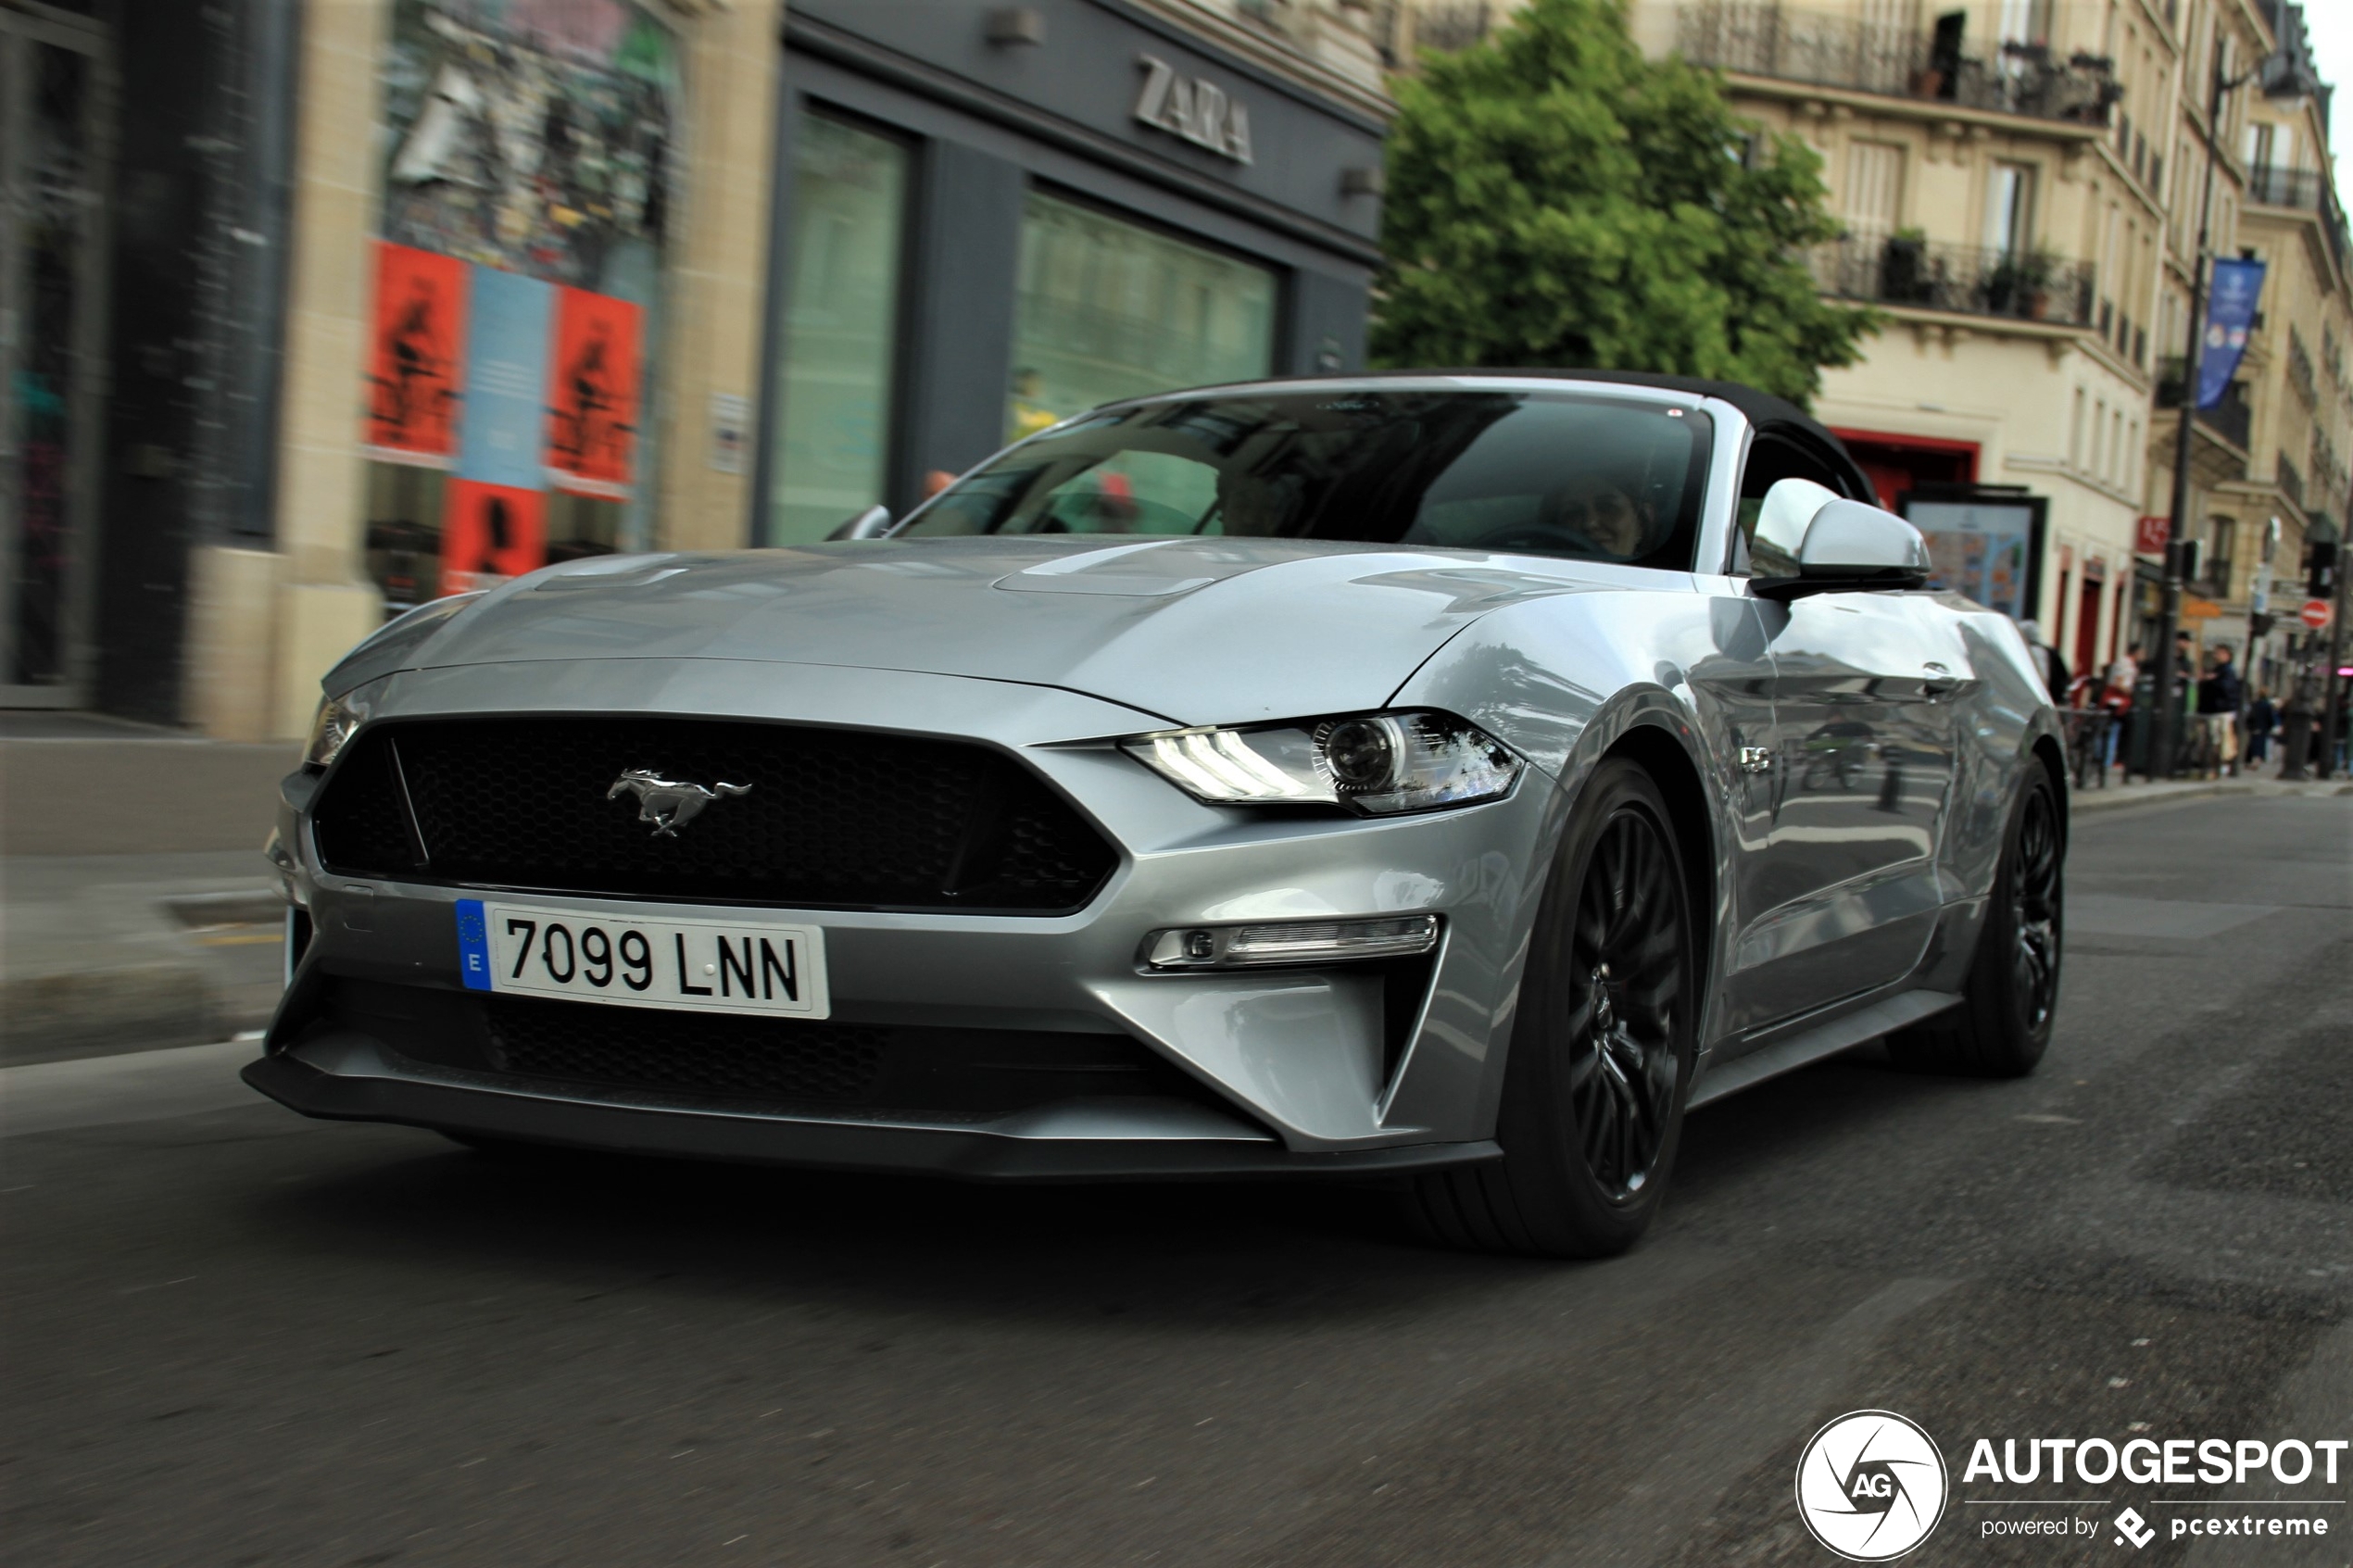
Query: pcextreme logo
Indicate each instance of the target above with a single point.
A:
(1871, 1485)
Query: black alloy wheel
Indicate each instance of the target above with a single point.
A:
(2009, 998)
(2034, 913)
(1601, 1045)
(1627, 982)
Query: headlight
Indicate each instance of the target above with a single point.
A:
(338, 718)
(1375, 764)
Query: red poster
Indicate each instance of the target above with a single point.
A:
(592, 424)
(419, 349)
(490, 532)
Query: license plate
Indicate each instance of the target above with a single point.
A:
(707, 965)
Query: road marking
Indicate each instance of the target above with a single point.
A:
(97, 1091)
(2114, 914)
(1715, 1442)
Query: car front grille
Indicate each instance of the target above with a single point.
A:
(831, 819)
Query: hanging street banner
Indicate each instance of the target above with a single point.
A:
(2231, 316)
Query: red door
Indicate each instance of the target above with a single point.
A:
(2087, 627)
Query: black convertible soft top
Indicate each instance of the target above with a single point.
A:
(1770, 415)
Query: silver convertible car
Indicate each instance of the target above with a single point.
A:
(1448, 780)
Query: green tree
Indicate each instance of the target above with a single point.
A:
(1555, 199)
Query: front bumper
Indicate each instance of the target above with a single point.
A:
(351, 1080)
(1289, 1071)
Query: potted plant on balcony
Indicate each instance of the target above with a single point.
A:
(1903, 268)
(2019, 283)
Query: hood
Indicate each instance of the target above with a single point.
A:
(1198, 631)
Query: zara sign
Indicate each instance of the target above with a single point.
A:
(1193, 108)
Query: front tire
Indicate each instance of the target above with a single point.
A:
(1601, 1049)
(2002, 1025)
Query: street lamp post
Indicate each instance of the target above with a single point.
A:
(2283, 77)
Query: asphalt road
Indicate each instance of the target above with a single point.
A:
(236, 1337)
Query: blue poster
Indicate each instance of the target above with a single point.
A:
(2229, 317)
(505, 425)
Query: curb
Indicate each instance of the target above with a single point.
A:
(96, 1012)
(155, 994)
(2122, 795)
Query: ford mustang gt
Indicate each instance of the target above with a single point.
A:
(1447, 779)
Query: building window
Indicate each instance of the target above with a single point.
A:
(833, 387)
(1109, 310)
(2009, 202)
(1874, 188)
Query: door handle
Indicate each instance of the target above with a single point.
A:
(1937, 681)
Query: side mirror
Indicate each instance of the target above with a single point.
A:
(1810, 540)
(872, 523)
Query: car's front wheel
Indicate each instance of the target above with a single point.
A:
(2002, 1025)
(1601, 1049)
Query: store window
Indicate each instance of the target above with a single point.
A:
(833, 384)
(1108, 310)
(528, 180)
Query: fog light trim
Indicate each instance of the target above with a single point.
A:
(1291, 942)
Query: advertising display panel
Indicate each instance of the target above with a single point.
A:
(419, 349)
(1983, 546)
(528, 177)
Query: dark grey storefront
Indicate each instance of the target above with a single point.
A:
(990, 216)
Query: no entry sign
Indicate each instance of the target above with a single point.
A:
(2315, 614)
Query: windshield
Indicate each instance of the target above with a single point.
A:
(1523, 472)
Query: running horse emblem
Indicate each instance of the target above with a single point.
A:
(669, 806)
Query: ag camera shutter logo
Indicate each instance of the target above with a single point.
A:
(1871, 1485)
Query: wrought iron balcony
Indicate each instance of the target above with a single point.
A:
(1758, 38)
(2271, 185)
(2026, 286)
(2231, 420)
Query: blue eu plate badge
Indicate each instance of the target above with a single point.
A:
(473, 944)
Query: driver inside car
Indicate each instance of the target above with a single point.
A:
(1606, 513)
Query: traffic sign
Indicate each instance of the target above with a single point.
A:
(2315, 614)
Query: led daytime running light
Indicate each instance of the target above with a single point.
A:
(1377, 764)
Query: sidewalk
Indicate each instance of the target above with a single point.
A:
(136, 910)
(2145, 792)
(2142, 792)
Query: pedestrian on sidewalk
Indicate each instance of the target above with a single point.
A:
(2123, 671)
(2218, 703)
(2262, 720)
